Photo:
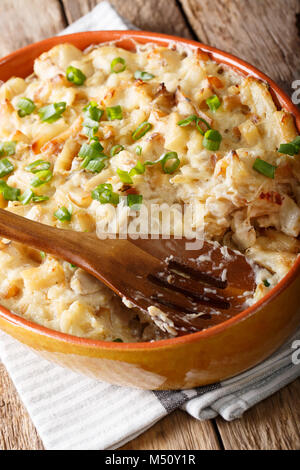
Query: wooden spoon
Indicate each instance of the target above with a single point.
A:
(183, 291)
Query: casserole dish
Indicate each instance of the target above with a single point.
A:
(197, 359)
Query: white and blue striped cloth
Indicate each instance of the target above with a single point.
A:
(74, 412)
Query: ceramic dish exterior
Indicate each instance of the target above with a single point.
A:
(193, 360)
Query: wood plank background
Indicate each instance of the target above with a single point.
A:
(267, 34)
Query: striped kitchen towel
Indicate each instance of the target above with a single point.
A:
(74, 412)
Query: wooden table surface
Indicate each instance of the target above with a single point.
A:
(267, 34)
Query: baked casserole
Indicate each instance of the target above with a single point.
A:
(158, 125)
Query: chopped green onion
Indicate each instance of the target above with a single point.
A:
(292, 148)
(6, 167)
(113, 113)
(139, 169)
(187, 121)
(93, 158)
(42, 177)
(9, 193)
(264, 168)
(75, 76)
(26, 197)
(38, 165)
(93, 115)
(118, 65)
(90, 131)
(212, 140)
(105, 195)
(138, 150)
(197, 120)
(92, 150)
(52, 112)
(134, 201)
(124, 176)
(141, 130)
(95, 165)
(145, 76)
(73, 266)
(288, 149)
(43, 254)
(213, 102)
(63, 214)
(93, 112)
(29, 195)
(296, 142)
(266, 283)
(207, 126)
(116, 149)
(25, 107)
(40, 198)
(118, 340)
(170, 168)
(7, 149)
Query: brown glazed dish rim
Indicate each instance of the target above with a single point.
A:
(242, 67)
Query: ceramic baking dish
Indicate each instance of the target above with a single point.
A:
(196, 359)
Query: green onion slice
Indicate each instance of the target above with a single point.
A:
(95, 165)
(187, 121)
(93, 112)
(6, 167)
(213, 103)
(113, 113)
(75, 75)
(118, 65)
(52, 112)
(170, 162)
(145, 76)
(124, 176)
(116, 149)
(63, 214)
(200, 128)
(212, 140)
(138, 150)
(139, 169)
(264, 168)
(25, 107)
(9, 193)
(266, 283)
(41, 178)
(26, 197)
(291, 148)
(118, 340)
(197, 120)
(91, 150)
(38, 165)
(105, 195)
(7, 149)
(134, 201)
(40, 198)
(141, 130)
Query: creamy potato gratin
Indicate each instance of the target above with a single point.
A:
(82, 130)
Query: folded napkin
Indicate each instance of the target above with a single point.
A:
(74, 412)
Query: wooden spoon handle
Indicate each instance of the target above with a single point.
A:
(63, 243)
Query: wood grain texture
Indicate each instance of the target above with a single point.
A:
(16, 429)
(25, 21)
(151, 15)
(273, 424)
(177, 431)
(264, 33)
